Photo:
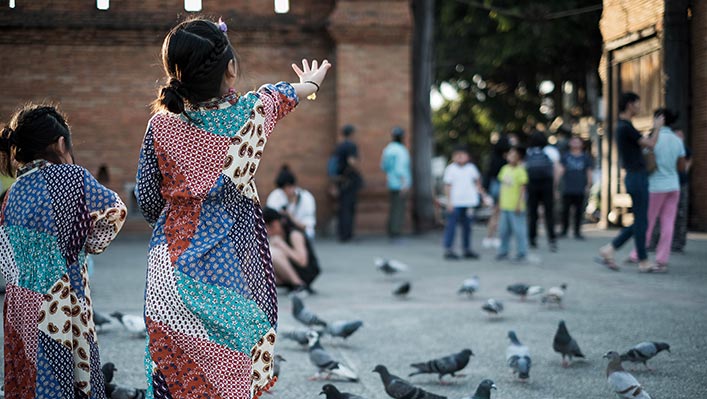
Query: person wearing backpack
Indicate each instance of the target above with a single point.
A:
(542, 165)
(348, 183)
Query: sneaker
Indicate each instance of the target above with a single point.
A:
(451, 256)
(501, 257)
(487, 242)
(497, 243)
(471, 255)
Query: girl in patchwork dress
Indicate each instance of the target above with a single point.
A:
(210, 299)
(52, 217)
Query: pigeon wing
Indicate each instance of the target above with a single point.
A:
(646, 349)
(322, 359)
(626, 385)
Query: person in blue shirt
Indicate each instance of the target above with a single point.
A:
(395, 162)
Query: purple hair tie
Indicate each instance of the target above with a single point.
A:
(222, 26)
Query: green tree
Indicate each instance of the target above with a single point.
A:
(495, 53)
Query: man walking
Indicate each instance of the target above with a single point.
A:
(349, 182)
(395, 162)
(630, 145)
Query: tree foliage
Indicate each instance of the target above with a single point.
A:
(496, 52)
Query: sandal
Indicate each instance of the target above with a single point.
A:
(607, 262)
(652, 269)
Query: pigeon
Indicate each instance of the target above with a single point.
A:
(108, 370)
(277, 360)
(402, 289)
(554, 295)
(492, 307)
(469, 286)
(518, 357)
(483, 391)
(114, 391)
(325, 362)
(398, 388)
(390, 266)
(644, 352)
(525, 290)
(621, 381)
(332, 392)
(132, 323)
(304, 315)
(444, 365)
(101, 320)
(565, 344)
(299, 336)
(343, 329)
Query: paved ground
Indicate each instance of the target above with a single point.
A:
(604, 310)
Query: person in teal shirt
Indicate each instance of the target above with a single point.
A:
(395, 162)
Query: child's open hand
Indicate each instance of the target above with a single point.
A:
(315, 74)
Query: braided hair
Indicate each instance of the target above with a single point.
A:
(32, 130)
(195, 55)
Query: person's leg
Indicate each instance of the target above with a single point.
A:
(566, 203)
(578, 214)
(680, 230)
(548, 200)
(393, 197)
(344, 214)
(465, 220)
(399, 216)
(533, 200)
(492, 226)
(450, 230)
(667, 221)
(352, 213)
(519, 229)
(285, 274)
(639, 198)
(627, 232)
(655, 204)
(505, 230)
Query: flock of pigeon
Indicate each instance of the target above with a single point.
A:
(327, 366)
(517, 355)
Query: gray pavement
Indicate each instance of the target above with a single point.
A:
(604, 311)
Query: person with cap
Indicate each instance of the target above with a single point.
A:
(395, 162)
(349, 183)
(294, 201)
(293, 257)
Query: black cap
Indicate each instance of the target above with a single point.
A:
(348, 130)
(397, 132)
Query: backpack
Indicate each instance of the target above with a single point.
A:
(538, 165)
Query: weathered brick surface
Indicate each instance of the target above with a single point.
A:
(103, 68)
(621, 17)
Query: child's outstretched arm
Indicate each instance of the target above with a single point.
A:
(310, 79)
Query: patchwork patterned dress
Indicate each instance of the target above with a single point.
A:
(53, 215)
(210, 300)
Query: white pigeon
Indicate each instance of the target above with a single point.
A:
(554, 295)
(325, 363)
(518, 357)
(390, 266)
(132, 323)
(621, 381)
(469, 286)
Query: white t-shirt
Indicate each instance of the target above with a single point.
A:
(304, 209)
(462, 179)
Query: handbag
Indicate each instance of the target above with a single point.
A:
(649, 157)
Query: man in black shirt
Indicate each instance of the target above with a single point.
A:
(630, 144)
(349, 182)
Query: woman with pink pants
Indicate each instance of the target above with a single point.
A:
(664, 189)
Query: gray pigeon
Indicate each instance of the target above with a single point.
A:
(299, 336)
(518, 357)
(108, 370)
(469, 286)
(277, 361)
(644, 351)
(525, 290)
(343, 328)
(132, 323)
(621, 381)
(444, 365)
(304, 315)
(398, 388)
(483, 391)
(565, 345)
(114, 391)
(402, 289)
(325, 362)
(100, 320)
(390, 266)
(492, 307)
(332, 392)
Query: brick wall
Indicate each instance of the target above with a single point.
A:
(698, 139)
(102, 67)
(621, 17)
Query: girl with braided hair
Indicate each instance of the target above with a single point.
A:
(52, 217)
(210, 299)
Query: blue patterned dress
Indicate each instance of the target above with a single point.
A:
(210, 299)
(53, 215)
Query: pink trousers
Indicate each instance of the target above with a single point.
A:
(663, 206)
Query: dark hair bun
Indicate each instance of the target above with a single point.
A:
(171, 98)
(7, 139)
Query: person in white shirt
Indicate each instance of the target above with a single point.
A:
(297, 203)
(462, 187)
